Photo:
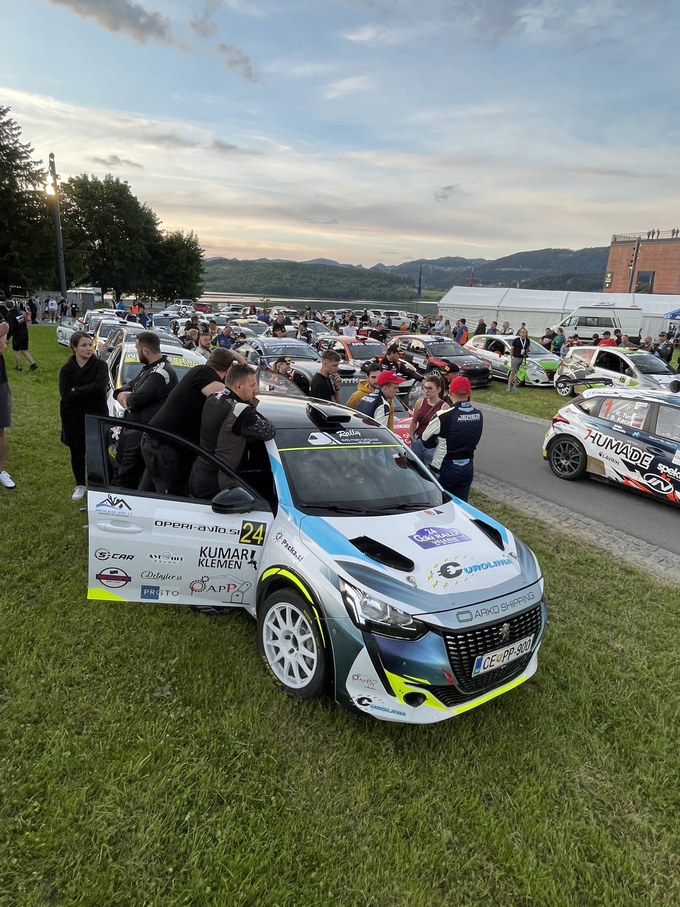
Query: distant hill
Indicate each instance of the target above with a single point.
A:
(293, 278)
(324, 278)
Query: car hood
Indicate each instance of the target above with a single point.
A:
(455, 562)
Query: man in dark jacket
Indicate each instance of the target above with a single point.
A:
(229, 425)
(18, 331)
(141, 399)
(460, 430)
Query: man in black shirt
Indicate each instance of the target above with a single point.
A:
(379, 333)
(141, 399)
(229, 422)
(327, 382)
(167, 467)
(5, 407)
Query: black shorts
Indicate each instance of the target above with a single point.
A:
(20, 343)
(5, 406)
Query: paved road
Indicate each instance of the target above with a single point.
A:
(510, 451)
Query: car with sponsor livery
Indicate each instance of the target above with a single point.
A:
(627, 436)
(378, 586)
(124, 365)
(435, 355)
(353, 350)
(125, 332)
(538, 369)
(305, 362)
(625, 367)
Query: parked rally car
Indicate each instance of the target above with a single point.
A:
(539, 367)
(440, 356)
(409, 605)
(625, 367)
(629, 436)
(305, 362)
(124, 365)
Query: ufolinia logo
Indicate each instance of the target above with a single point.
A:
(114, 506)
(113, 578)
(436, 537)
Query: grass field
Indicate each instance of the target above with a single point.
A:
(146, 758)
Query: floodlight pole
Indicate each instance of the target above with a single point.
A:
(57, 227)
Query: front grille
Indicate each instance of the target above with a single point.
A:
(463, 648)
(550, 373)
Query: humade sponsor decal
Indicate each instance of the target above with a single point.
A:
(436, 537)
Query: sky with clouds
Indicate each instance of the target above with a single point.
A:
(361, 130)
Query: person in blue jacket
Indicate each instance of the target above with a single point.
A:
(455, 432)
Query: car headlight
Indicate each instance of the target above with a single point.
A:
(371, 613)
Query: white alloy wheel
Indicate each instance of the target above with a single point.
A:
(290, 644)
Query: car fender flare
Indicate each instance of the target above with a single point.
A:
(277, 578)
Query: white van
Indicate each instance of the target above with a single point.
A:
(588, 320)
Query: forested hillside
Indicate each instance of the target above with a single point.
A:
(545, 269)
(292, 278)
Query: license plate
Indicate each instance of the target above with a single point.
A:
(493, 660)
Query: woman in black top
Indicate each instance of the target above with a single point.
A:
(83, 383)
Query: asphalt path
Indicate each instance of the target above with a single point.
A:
(511, 450)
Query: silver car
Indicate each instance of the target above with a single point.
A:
(624, 367)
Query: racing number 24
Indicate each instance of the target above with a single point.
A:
(252, 533)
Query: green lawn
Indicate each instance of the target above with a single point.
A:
(146, 758)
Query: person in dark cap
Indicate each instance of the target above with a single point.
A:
(455, 432)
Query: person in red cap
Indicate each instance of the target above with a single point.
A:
(379, 404)
(455, 433)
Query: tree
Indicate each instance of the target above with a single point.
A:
(110, 233)
(178, 270)
(27, 244)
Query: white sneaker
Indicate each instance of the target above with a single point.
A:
(6, 480)
(79, 493)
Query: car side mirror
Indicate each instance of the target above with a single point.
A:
(233, 500)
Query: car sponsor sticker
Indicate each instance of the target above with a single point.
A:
(113, 578)
(228, 589)
(214, 557)
(156, 593)
(112, 505)
(488, 612)
(676, 457)
(103, 554)
(252, 533)
(436, 537)
(297, 550)
(631, 453)
(166, 557)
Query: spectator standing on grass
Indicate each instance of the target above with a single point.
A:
(460, 427)
(493, 328)
(350, 329)
(5, 407)
(558, 341)
(520, 350)
(481, 328)
(52, 309)
(506, 328)
(439, 324)
(326, 383)
(18, 331)
(462, 332)
(33, 309)
(83, 383)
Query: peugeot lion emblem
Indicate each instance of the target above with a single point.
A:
(504, 632)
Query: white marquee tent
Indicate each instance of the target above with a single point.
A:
(545, 308)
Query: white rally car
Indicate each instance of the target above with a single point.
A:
(627, 436)
(365, 577)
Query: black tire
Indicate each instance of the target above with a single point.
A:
(563, 388)
(567, 458)
(290, 644)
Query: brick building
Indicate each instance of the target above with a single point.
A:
(640, 263)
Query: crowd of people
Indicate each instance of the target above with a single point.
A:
(215, 405)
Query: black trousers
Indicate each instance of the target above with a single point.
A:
(78, 460)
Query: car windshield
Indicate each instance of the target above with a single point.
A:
(273, 383)
(132, 366)
(366, 350)
(649, 364)
(371, 473)
(295, 351)
(446, 349)
(106, 328)
(536, 351)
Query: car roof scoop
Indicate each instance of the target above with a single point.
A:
(323, 415)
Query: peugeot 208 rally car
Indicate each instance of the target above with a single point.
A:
(365, 577)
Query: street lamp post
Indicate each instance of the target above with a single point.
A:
(53, 190)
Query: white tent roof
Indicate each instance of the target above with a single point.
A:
(558, 301)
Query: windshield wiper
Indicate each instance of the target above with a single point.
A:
(419, 505)
(336, 508)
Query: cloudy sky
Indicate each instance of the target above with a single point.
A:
(361, 130)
